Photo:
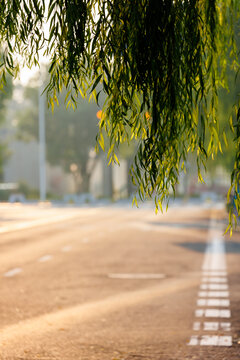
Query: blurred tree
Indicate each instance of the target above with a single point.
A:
(5, 94)
(164, 57)
(70, 135)
(127, 152)
(227, 97)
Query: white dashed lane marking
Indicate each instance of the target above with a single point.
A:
(66, 248)
(214, 287)
(193, 341)
(196, 326)
(45, 258)
(213, 302)
(42, 259)
(213, 293)
(214, 280)
(39, 222)
(137, 276)
(211, 340)
(213, 313)
(214, 273)
(13, 272)
(215, 326)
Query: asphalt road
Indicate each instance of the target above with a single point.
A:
(118, 284)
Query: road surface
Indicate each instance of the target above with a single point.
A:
(118, 284)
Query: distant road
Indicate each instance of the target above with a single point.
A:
(117, 283)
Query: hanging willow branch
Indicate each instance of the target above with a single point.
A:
(159, 64)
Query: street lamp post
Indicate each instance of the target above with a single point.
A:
(42, 143)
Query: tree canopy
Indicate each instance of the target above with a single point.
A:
(159, 63)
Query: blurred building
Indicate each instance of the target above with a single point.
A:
(22, 166)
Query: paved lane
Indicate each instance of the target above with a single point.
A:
(112, 283)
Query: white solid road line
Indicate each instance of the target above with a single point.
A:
(137, 276)
(12, 272)
(45, 258)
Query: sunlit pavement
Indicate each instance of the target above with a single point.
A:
(112, 282)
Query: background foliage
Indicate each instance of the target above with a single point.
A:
(5, 94)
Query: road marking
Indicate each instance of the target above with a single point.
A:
(66, 248)
(199, 312)
(214, 287)
(137, 276)
(12, 272)
(226, 326)
(196, 326)
(193, 341)
(214, 279)
(225, 341)
(212, 294)
(214, 259)
(214, 273)
(210, 340)
(215, 326)
(45, 258)
(210, 326)
(218, 302)
(37, 222)
(213, 302)
(216, 340)
(213, 313)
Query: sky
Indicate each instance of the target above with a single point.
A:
(26, 74)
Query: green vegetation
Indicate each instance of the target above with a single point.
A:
(5, 93)
(159, 63)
